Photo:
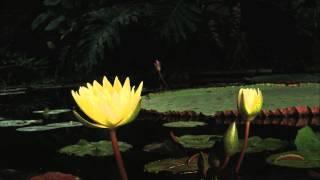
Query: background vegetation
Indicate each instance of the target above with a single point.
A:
(68, 40)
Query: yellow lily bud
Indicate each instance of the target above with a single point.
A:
(231, 140)
(109, 106)
(249, 102)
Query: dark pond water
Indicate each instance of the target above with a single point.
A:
(25, 154)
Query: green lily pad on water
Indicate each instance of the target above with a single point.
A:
(307, 140)
(52, 111)
(184, 124)
(166, 147)
(18, 123)
(213, 99)
(307, 154)
(296, 159)
(198, 141)
(179, 166)
(52, 126)
(97, 149)
(257, 144)
(174, 166)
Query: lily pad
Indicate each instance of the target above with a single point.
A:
(97, 149)
(296, 159)
(18, 123)
(65, 124)
(184, 124)
(213, 99)
(52, 111)
(50, 126)
(167, 147)
(307, 140)
(198, 141)
(308, 154)
(257, 144)
(174, 166)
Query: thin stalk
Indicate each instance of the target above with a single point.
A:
(162, 80)
(225, 162)
(117, 154)
(244, 147)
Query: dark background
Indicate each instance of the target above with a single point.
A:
(65, 41)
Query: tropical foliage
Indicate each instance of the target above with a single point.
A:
(79, 35)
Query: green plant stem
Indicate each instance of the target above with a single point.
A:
(117, 154)
(244, 147)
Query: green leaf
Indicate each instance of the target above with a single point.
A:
(307, 140)
(97, 149)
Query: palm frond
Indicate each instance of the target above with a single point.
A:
(100, 29)
(177, 19)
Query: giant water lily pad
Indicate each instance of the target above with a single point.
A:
(184, 124)
(97, 149)
(198, 141)
(257, 144)
(50, 126)
(296, 159)
(213, 99)
(18, 123)
(174, 166)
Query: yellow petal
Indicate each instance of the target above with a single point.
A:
(87, 123)
(107, 85)
(126, 86)
(117, 85)
(97, 88)
(138, 92)
(131, 116)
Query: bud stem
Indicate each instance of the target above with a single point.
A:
(225, 162)
(117, 154)
(244, 147)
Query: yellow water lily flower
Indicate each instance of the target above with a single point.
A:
(250, 102)
(109, 106)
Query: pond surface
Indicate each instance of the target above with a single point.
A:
(24, 154)
(30, 148)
